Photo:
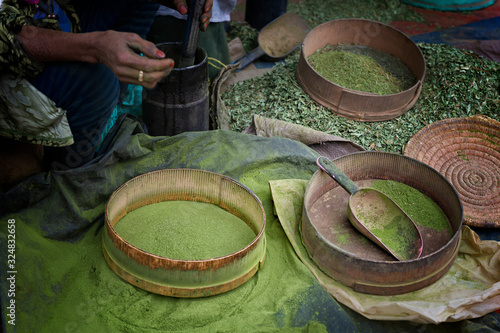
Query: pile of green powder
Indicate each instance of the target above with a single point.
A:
(354, 71)
(185, 230)
(422, 209)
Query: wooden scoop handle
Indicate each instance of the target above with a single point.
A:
(333, 171)
(192, 31)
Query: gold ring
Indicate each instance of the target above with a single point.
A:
(141, 76)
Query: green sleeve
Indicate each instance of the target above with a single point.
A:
(13, 16)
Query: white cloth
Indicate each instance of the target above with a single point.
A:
(221, 11)
(30, 116)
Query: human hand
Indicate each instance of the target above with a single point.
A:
(120, 51)
(181, 7)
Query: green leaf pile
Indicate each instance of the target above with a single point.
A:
(458, 83)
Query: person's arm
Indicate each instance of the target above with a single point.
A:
(13, 58)
(120, 51)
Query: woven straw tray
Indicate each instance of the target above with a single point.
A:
(467, 152)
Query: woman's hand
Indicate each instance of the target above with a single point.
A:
(121, 52)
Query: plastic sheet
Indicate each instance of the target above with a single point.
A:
(64, 284)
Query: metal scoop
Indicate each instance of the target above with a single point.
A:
(278, 39)
(377, 217)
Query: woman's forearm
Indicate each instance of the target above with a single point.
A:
(46, 45)
(131, 58)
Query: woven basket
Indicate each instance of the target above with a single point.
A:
(467, 152)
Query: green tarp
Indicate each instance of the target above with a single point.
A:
(63, 284)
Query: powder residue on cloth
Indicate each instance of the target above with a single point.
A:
(185, 230)
(93, 298)
(69, 287)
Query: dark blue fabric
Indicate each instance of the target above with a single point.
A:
(120, 15)
(488, 233)
(488, 29)
(89, 92)
(451, 5)
(64, 22)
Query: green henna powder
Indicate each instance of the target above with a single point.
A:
(392, 227)
(354, 71)
(185, 230)
(422, 209)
